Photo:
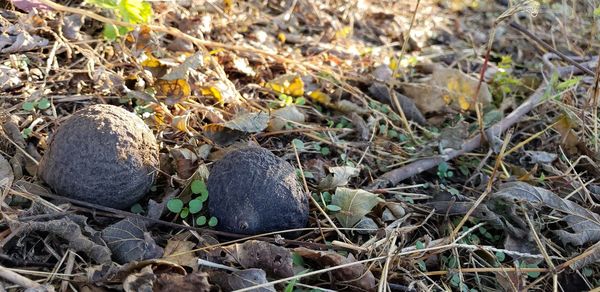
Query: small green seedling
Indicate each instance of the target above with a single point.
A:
(43, 103)
(194, 206)
(419, 245)
(201, 220)
(422, 265)
(503, 80)
(500, 256)
(443, 171)
(333, 208)
(175, 205)
(212, 222)
(198, 187)
(26, 133)
(184, 213)
(299, 144)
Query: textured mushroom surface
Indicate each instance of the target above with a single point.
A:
(252, 191)
(102, 154)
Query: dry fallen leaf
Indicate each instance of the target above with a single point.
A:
(356, 275)
(339, 176)
(535, 157)
(168, 282)
(71, 26)
(448, 88)
(345, 106)
(226, 133)
(354, 205)
(6, 174)
(569, 140)
(584, 224)
(594, 257)
(180, 252)
(129, 241)
(21, 42)
(382, 93)
(280, 117)
(223, 92)
(241, 279)
(9, 78)
(29, 5)
(248, 278)
(289, 84)
(174, 90)
(183, 71)
(361, 126)
(275, 260)
(140, 281)
(185, 162)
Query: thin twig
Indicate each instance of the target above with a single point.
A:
(10, 276)
(307, 191)
(397, 175)
(125, 214)
(542, 248)
(548, 47)
(391, 88)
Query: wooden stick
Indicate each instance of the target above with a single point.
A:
(399, 174)
(17, 279)
(548, 47)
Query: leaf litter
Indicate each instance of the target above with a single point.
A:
(394, 116)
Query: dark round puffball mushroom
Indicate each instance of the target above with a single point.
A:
(252, 191)
(102, 154)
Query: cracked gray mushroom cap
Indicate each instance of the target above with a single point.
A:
(252, 191)
(102, 154)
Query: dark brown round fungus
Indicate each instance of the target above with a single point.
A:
(252, 191)
(102, 154)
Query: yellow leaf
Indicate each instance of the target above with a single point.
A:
(149, 61)
(394, 64)
(180, 123)
(227, 6)
(320, 97)
(564, 126)
(173, 88)
(290, 84)
(159, 119)
(216, 51)
(344, 32)
(158, 115)
(296, 88)
(463, 103)
(460, 92)
(459, 5)
(281, 37)
(214, 92)
(221, 91)
(447, 99)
